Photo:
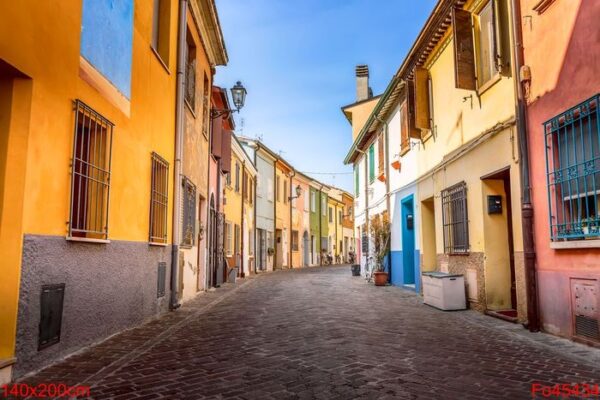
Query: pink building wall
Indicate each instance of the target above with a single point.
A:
(562, 48)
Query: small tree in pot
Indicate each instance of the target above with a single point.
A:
(380, 234)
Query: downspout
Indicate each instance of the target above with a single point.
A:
(290, 204)
(241, 272)
(321, 225)
(387, 188)
(179, 125)
(366, 204)
(275, 194)
(255, 207)
(526, 205)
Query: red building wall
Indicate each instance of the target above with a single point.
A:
(562, 48)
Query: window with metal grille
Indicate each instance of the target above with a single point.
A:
(294, 240)
(159, 199)
(90, 174)
(188, 226)
(573, 171)
(190, 72)
(455, 219)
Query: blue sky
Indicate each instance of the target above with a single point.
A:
(297, 62)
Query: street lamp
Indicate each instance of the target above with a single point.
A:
(238, 93)
(298, 193)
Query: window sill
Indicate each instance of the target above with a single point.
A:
(158, 244)
(486, 86)
(87, 240)
(458, 254)
(160, 60)
(190, 108)
(404, 150)
(576, 244)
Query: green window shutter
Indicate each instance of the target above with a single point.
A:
(372, 163)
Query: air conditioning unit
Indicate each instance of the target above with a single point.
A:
(444, 291)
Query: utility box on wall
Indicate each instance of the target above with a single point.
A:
(494, 204)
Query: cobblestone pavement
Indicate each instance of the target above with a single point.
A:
(320, 333)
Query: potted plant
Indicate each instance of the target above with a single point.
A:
(380, 234)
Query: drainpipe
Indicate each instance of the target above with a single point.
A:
(275, 194)
(320, 225)
(290, 204)
(241, 272)
(179, 125)
(255, 207)
(526, 205)
(387, 187)
(366, 203)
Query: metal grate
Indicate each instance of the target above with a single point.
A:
(90, 174)
(51, 309)
(573, 171)
(455, 219)
(159, 200)
(189, 213)
(587, 327)
(190, 72)
(162, 278)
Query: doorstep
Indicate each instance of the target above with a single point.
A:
(505, 315)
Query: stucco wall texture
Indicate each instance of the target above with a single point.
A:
(108, 288)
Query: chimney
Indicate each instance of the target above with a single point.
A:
(363, 91)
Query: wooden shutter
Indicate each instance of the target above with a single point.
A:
(464, 52)
(413, 132)
(404, 141)
(422, 98)
(380, 151)
(501, 36)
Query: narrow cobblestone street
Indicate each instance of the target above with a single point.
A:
(320, 333)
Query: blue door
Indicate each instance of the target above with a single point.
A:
(408, 241)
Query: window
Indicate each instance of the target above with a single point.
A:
(205, 105)
(237, 241)
(278, 189)
(381, 155)
(237, 177)
(189, 213)
(323, 205)
(356, 180)
(573, 171)
(372, 163)
(404, 128)
(339, 217)
(294, 240)
(485, 38)
(228, 179)
(90, 174)
(455, 219)
(161, 29)
(313, 201)
(159, 199)
(270, 189)
(285, 195)
(330, 215)
(190, 72)
(477, 62)
(228, 239)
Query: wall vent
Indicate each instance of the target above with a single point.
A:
(586, 316)
(162, 276)
(51, 310)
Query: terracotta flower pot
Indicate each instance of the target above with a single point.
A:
(380, 278)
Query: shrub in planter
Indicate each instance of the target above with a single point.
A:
(380, 229)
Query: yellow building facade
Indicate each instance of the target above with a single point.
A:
(461, 105)
(86, 165)
(283, 213)
(239, 211)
